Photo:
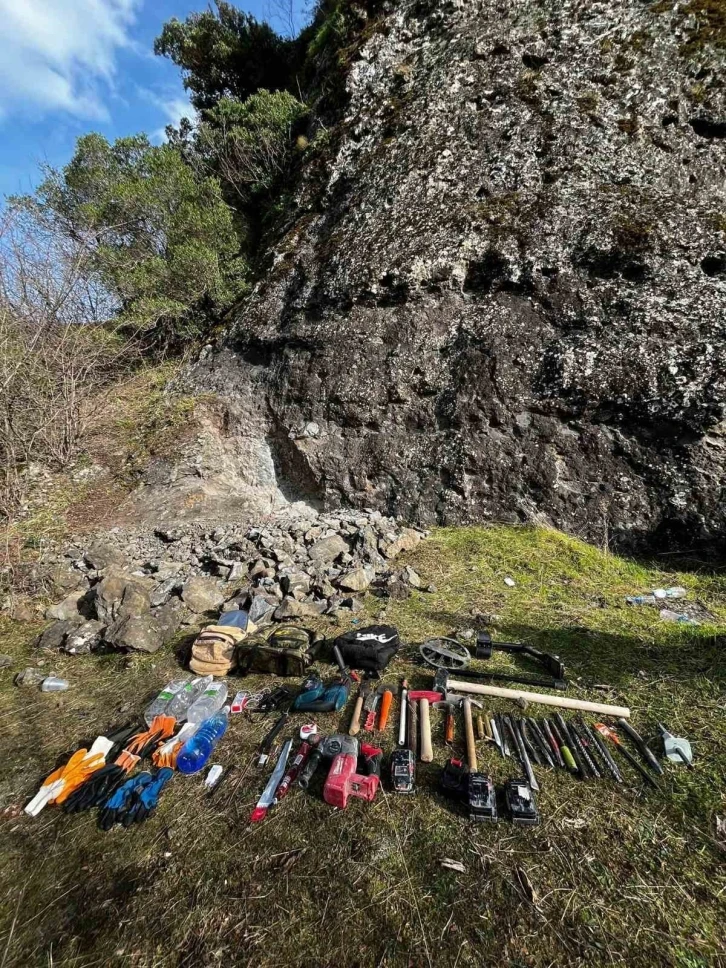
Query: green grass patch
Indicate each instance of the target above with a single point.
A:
(621, 875)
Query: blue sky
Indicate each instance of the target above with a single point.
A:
(72, 66)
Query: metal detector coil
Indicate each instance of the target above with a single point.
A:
(445, 654)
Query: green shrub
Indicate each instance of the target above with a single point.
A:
(161, 237)
(227, 53)
(251, 142)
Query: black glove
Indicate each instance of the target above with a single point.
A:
(96, 790)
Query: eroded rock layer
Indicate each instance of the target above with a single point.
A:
(502, 292)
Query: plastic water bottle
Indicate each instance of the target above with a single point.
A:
(207, 704)
(640, 600)
(680, 617)
(196, 751)
(159, 706)
(54, 684)
(181, 702)
(675, 591)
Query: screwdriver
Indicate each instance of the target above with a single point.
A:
(613, 736)
(561, 735)
(640, 743)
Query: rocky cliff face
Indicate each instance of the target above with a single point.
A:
(503, 293)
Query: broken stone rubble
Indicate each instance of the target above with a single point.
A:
(136, 589)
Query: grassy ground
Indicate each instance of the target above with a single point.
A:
(135, 420)
(619, 874)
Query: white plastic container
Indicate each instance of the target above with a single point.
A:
(54, 684)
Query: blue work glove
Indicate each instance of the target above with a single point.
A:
(147, 798)
(118, 804)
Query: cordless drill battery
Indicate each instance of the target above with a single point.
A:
(403, 770)
(482, 798)
(520, 801)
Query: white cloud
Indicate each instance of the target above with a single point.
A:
(60, 54)
(173, 107)
(176, 109)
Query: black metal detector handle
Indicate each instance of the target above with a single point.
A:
(552, 663)
(541, 681)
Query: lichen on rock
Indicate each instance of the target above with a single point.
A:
(504, 299)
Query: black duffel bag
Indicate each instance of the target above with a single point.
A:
(370, 649)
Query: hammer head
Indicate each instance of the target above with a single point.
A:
(452, 697)
(424, 694)
(441, 680)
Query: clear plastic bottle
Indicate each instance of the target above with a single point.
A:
(640, 599)
(681, 618)
(675, 591)
(658, 594)
(159, 706)
(54, 684)
(195, 753)
(207, 704)
(181, 702)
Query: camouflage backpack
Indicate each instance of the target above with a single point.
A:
(283, 651)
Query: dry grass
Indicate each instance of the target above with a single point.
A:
(136, 420)
(620, 875)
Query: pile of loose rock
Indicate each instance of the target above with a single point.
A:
(134, 591)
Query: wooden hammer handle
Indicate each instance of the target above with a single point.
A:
(449, 734)
(427, 753)
(355, 721)
(470, 745)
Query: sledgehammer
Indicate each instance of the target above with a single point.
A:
(425, 697)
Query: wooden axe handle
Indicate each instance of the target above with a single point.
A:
(470, 745)
(355, 721)
(427, 753)
(563, 702)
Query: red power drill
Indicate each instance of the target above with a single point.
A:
(343, 781)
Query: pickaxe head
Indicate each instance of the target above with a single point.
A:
(458, 700)
(446, 704)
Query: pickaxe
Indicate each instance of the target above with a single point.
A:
(448, 706)
(466, 703)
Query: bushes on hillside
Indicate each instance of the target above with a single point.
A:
(159, 236)
(58, 348)
(251, 141)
